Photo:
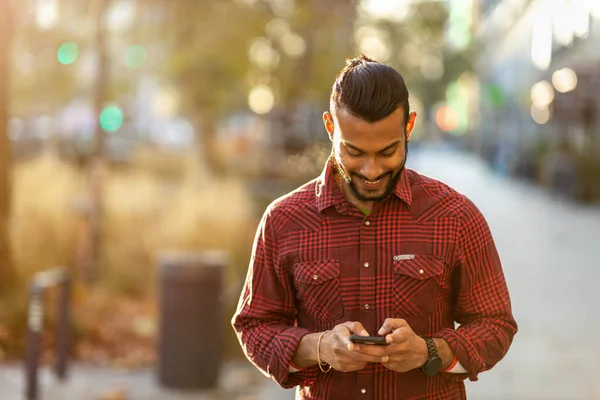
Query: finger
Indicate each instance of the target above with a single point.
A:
(390, 324)
(355, 328)
(359, 329)
(363, 357)
(398, 336)
(351, 328)
(377, 351)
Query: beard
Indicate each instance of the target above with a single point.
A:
(367, 195)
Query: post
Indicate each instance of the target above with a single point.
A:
(34, 327)
(63, 329)
(35, 320)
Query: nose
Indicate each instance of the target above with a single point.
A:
(371, 170)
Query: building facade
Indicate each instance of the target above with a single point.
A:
(538, 63)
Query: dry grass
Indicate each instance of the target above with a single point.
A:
(159, 203)
(144, 212)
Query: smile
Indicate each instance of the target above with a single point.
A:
(371, 182)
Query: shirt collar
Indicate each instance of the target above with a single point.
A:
(403, 189)
(327, 191)
(329, 194)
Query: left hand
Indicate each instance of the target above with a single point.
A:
(406, 351)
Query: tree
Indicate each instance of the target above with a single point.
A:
(8, 274)
(207, 48)
(207, 51)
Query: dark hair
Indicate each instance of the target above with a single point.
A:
(369, 90)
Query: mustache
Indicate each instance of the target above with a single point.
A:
(389, 173)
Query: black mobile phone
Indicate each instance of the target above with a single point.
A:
(373, 340)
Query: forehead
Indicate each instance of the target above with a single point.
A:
(365, 135)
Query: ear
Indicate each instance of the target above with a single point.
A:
(328, 122)
(410, 124)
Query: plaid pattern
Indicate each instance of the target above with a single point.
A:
(425, 254)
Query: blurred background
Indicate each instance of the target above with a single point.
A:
(140, 137)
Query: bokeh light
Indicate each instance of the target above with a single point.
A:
(392, 10)
(564, 80)
(372, 42)
(293, 45)
(111, 118)
(68, 53)
(47, 14)
(542, 94)
(540, 115)
(261, 99)
(135, 56)
(263, 55)
(446, 118)
(432, 68)
(277, 28)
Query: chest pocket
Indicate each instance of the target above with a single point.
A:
(318, 289)
(417, 280)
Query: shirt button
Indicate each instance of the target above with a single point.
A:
(366, 306)
(420, 271)
(366, 265)
(363, 390)
(315, 277)
(367, 223)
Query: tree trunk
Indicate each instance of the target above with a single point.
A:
(8, 274)
(206, 137)
(97, 166)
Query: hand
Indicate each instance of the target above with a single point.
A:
(338, 351)
(406, 350)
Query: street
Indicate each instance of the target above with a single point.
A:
(549, 248)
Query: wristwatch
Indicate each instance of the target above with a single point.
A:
(433, 365)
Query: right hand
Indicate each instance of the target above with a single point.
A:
(338, 351)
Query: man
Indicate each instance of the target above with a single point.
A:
(372, 248)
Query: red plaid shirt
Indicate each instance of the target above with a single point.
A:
(425, 255)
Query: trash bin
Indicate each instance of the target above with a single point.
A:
(190, 322)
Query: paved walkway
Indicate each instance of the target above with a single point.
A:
(550, 250)
(238, 381)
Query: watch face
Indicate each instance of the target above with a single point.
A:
(432, 366)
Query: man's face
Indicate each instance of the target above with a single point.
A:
(373, 154)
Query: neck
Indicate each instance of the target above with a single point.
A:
(345, 189)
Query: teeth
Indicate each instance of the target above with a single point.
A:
(372, 183)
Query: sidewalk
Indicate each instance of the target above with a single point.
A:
(238, 381)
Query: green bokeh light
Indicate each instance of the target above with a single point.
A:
(495, 93)
(111, 118)
(67, 53)
(135, 56)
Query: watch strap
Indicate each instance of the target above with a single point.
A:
(431, 348)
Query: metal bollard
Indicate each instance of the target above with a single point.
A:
(35, 319)
(190, 325)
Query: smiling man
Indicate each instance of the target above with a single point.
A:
(371, 248)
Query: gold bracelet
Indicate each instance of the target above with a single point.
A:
(318, 357)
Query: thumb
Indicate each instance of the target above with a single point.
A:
(390, 324)
(356, 328)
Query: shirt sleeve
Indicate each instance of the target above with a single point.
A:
(483, 307)
(265, 318)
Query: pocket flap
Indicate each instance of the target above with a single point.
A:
(317, 271)
(418, 266)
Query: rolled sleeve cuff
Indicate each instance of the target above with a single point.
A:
(288, 342)
(465, 352)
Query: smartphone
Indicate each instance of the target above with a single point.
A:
(373, 340)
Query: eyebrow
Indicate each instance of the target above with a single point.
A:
(348, 145)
